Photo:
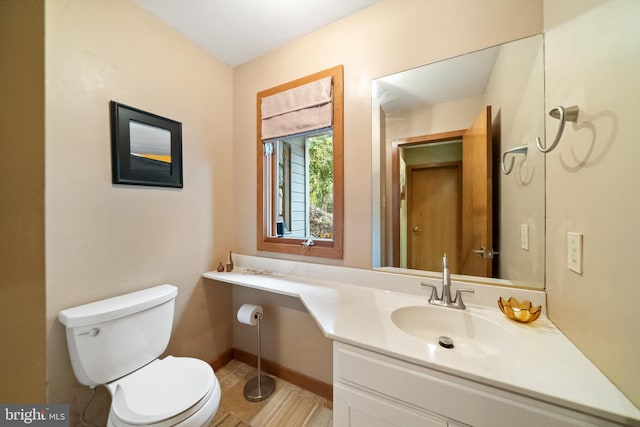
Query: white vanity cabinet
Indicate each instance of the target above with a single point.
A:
(373, 390)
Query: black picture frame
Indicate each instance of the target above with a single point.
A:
(159, 140)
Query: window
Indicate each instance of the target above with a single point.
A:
(300, 166)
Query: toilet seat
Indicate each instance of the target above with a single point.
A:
(165, 393)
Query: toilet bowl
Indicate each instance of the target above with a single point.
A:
(174, 391)
(116, 343)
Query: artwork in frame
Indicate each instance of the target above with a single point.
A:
(146, 149)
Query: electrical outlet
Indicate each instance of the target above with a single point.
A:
(524, 237)
(574, 252)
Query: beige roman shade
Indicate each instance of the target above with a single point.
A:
(301, 109)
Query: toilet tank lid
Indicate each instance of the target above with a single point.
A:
(116, 307)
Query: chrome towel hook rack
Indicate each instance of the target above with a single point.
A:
(568, 114)
(523, 149)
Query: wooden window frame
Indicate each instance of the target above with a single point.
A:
(329, 248)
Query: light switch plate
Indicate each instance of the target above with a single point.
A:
(574, 252)
(524, 237)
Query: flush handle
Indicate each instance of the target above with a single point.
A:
(91, 332)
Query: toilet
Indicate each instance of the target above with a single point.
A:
(117, 342)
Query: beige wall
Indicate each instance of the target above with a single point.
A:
(22, 275)
(592, 60)
(104, 239)
(390, 36)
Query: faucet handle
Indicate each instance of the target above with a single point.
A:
(458, 300)
(434, 291)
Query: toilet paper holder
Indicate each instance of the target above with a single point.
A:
(261, 386)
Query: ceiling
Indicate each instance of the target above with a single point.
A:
(237, 31)
(456, 78)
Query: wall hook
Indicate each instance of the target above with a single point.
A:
(517, 150)
(569, 114)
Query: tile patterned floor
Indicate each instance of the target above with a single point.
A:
(288, 406)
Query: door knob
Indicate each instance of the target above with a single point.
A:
(416, 229)
(478, 252)
(484, 253)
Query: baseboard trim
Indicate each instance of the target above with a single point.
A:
(303, 381)
(222, 360)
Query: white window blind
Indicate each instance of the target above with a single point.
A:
(301, 109)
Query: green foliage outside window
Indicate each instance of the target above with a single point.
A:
(321, 184)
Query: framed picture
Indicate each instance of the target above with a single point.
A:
(146, 149)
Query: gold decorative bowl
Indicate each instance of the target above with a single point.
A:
(522, 312)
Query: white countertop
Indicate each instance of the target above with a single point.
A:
(545, 365)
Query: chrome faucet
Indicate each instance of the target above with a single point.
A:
(445, 300)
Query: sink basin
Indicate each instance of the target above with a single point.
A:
(470, 333)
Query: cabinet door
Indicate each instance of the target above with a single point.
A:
(355, 408)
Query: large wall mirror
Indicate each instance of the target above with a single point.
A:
(456, 169)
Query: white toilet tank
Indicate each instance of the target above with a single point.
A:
(113, 337)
